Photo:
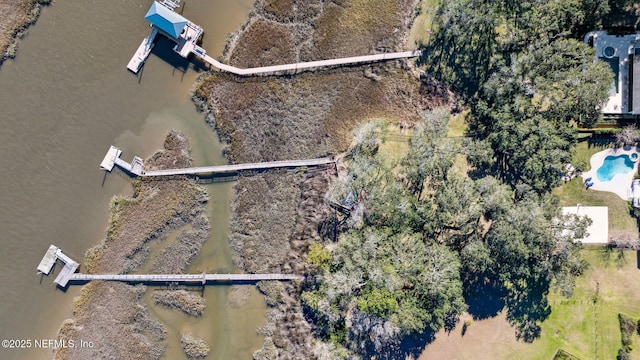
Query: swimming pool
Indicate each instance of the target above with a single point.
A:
(614, 165)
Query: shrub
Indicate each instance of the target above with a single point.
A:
(319, 256)
(623, 355)
(628, 327)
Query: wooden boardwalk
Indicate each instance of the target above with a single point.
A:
(137, 167)
(184, 278)
(306, 65)
(225, 169)
(68, 274)
(186, 43)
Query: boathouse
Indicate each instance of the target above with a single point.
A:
(164, 20)
(170, 23)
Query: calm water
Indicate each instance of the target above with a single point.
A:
(63, 101)
(614, 165)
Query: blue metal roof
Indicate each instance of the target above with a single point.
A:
(168, 21)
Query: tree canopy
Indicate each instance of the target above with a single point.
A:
(430, 241)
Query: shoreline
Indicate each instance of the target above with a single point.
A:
(276, 216)
(25, 14)
(112, 315)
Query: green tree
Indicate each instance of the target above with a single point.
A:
(380, 302)
(319, 256)
(430, 154)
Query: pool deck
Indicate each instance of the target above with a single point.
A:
(621, 183)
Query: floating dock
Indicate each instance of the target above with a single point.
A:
(68, 274)
(143, 52)
(136, 168)
(48, 261)
(52, 255)
(110, 158)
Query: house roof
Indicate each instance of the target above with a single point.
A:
(166, 20)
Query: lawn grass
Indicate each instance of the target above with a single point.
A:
(457, 126)
(574, 192)
(585, 328)
(423, 24)
(620, 220)
(586, 148)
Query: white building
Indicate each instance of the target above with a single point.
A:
(622, 53)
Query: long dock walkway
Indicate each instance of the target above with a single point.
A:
(164, 20)
(184, 278)
(112, 159)
(305, 65)
(68, 274)
(222, 169)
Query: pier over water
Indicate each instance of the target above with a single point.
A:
(165, 21)
(69, 276)
(136, 168)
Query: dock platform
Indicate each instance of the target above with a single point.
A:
(69, 276)
(110, 158)
(48, 260)
(142, 53)
(52, 255)
(187, 41)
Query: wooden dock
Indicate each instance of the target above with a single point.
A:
(68, 274)
(187, 39)
(226, 169)
(136, 168)
(48, 261)
(303, 66)
(184, 278)
(52, 255)
(142, 53)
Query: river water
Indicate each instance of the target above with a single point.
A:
(63, 101)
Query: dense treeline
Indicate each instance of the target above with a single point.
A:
(431, 241)
(528, 77)
(424, 242)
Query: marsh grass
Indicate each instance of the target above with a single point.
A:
(16, 17)
(276, 215)
(194, 348)
(110, 314)
(183, 300)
